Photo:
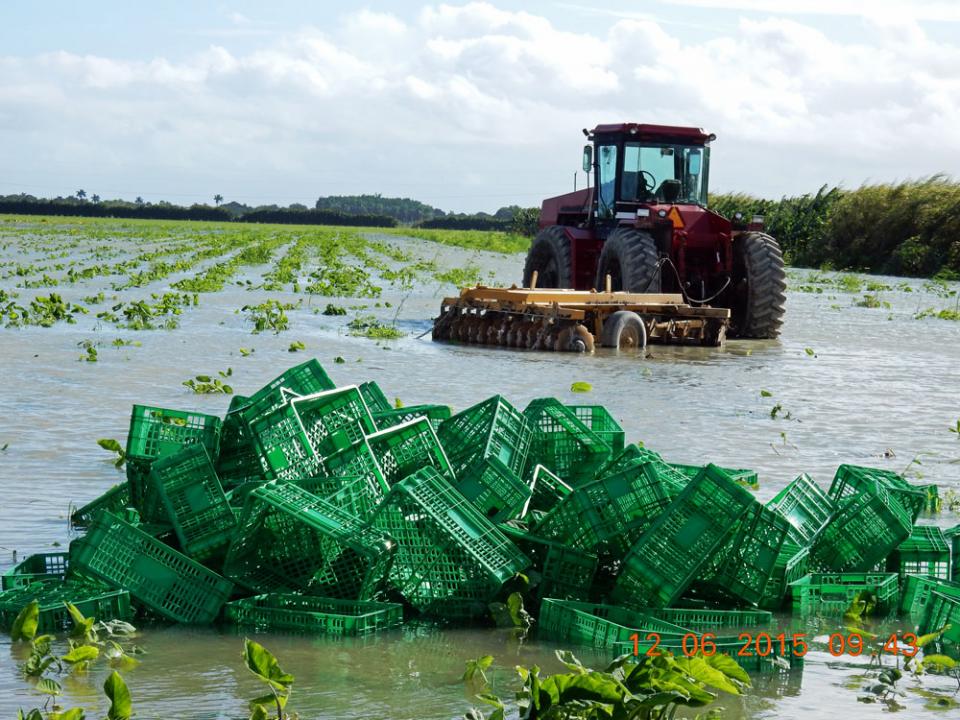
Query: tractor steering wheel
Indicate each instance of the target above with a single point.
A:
(652, 186)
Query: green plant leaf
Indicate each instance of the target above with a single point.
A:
(121, 707)
(74, 714)
(264, 665)
(110, 444)
(766, 393)
(80, 654)
(48, 686)
(82, 626)
(581, 387)
(930, 637)
(25, 625)
(697, 668)
(729, 667)
(259, 713)
(270, 701)
(941, 661)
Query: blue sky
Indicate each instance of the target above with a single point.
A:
(467, 106)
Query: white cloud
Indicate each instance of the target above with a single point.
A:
(471, 107)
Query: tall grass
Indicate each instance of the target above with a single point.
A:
(909, 228)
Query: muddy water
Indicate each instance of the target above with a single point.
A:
(879, 388)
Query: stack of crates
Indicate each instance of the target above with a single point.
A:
(289, 539)
(917, 592)
(850, 480)
(669, 555)
(563, 443)
(450, 560)
(405, 448)
(91, 598)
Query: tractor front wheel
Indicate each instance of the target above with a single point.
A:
(629, 257)
(549, 257)
(759, 287)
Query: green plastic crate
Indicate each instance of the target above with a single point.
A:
(91, 599)
(563, 443)
(35, 568)
(167, 582)
(565, 573)
(546, 491)
(238, 463)
(156, 432)
(309, 614)
(304, 379)
(374, 397)
(632, 455)
(917, 591)
(492, 428)
(292, 439)
(436, 414)
(865, 529)
(608, 514)
(450, 559)
(601, 422)
(404, 449)
(805, 506)
(115, 500)
(925, 552)
(952, 536)
(709, 620)
(672, 551)
(745, 565)
(194, 501)
(601, 626)
(351, 480)
(829, 594)
(852, 479)
(747, 478)
(793, 562)
(289, 539)
(943, 611)
(493, 488)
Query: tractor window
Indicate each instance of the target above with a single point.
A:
(666, 173)
(607, 164)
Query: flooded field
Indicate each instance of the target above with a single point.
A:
(864, 373)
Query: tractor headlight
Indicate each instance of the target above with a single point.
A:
(661, 213)
(738, 216)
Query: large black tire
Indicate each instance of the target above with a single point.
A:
(629, 257)
(549, 256)
(759, 287)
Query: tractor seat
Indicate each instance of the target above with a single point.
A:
(669, 190)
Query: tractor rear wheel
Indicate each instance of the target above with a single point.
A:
(629, 257)
(759, 287)
(549, 257)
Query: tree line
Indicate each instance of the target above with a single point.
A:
(910, 228)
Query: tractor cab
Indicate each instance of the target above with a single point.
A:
(635, 166)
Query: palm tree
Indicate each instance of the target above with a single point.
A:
(218, 198)
(95, 198)
(139, 200)
(81, 194)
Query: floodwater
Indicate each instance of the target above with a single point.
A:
(858, 385)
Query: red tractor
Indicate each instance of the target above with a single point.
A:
(645, 224)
